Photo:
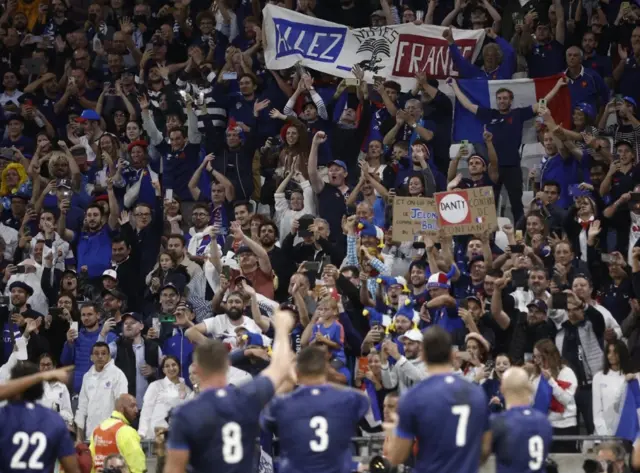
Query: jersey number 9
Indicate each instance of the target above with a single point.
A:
(536, 452)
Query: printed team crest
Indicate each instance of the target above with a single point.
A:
(108, 384)
(238, 105)
(376, 41)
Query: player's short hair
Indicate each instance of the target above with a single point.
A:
(436, 345)
(23, 369)
(98, 345)
(212, 357)
(311, 361)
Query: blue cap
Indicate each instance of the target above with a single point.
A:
(89, 114)
(405, 311)
(337, 162)
(134, 315)
(631, 100)
(365, 228)
(253, 339)
(375, 317)
(587, 109)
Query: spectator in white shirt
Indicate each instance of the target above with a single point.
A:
(101, 387)
(11, 93)
(162, 396)
(56, 395)
(607, 385)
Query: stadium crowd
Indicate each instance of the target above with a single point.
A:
(160, 186)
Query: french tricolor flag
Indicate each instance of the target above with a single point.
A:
(544, 400)
(525, 92)
(628, 426)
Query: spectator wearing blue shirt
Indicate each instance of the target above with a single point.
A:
(585, 85)
(545, 54)
(506, 124)
(94, 245)
(594, 61)
(560, 167)
(499, 58)
(15, 127)
(627, 72)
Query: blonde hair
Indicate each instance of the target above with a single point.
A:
(22, 174)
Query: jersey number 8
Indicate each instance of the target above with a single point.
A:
(23, 440)
(232, 443)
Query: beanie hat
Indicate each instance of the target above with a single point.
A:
(438, 280)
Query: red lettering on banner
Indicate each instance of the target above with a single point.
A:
(430, 55)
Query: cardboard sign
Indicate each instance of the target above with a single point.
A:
(413, 216)
(467, 212)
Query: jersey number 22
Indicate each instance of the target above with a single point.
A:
(22, 440)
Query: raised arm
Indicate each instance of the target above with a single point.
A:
(263, 258)
(317, 184)
(462, 98)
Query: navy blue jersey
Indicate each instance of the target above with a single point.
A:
(220, 427)
(448, 416)
(315, 425)
(32, 438)
(521, 440)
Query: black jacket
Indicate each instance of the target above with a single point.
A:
(126, 360)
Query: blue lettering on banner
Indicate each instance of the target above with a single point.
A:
(317, 43)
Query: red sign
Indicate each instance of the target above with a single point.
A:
(430, 55)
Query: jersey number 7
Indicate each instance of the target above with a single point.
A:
(462, 411)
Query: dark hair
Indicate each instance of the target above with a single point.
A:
(99, 345)
(354, 270)
(50, 211)
(176, 236)
(393, 85)
(120, 239)
(177, 128)
(212, 357)
(504, 89)
(201, 205)
(311, 361)
(95, 205)
(623, 354)
(436, 345)
(250, 76)
(553, 184)
(23, 369)
(246, 203)
(75, 312)
(170, 357)
(47, 355)
(494, 273)
(93, 305)
(270, 223)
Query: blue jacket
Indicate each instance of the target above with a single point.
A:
(470, 71)
(179, 346)
(79, 354)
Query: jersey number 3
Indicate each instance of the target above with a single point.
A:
(462, 411)
(23, 440)
(320, 426)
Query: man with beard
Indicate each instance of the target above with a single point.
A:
(626, 126)
(94, 244)
(223, 326)
(113, 303)
(280, 260)
(418, 282)
(77, 348)
(524, 328)
(59, 25)
(176, 246)
(408, 369)
(315, 245)
(254, 263)
(473, 314)
(198, 239)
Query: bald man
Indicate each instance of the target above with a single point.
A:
(521, 434)
(116, 436)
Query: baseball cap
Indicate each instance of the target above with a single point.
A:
(414, 335)
(115, 293)
(110, 273)
(134, 315)
(337, 162)
(243, 249)
(379, 13)
(538, 304)
(88, 114)
(170, 285)
(631, 100)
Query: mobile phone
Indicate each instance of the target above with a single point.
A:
(518, 235)
(21, 269)
(542, 103)
(229, 75)
(226, 271)
(519, 277)
(168, 318)
(168, 194)
(606, 258)
(55, 311)
(516, 249)
(635, 197)
(575, 191)
(363, 364)
(419, 15)
(312, 266)
(625, 6)
(7, 153)
(155, 323)
(464, 142)
(352, 82)
(559, 300)
(74, 326)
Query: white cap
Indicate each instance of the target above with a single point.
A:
(414, 335)
(110, 273)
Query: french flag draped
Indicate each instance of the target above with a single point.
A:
(629, 421)
(373, 415)
(525, 92)
(544, 400)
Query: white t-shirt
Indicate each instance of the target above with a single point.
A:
(220, 326)
(634, 232)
